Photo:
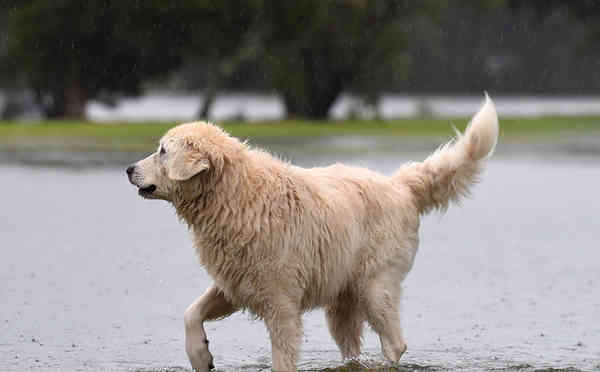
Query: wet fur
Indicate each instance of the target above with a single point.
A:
(279, 240)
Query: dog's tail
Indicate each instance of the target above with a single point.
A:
(447, 174)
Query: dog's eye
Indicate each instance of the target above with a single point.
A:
(162, 151)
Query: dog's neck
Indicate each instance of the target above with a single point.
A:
(232, 214)
(229, 197)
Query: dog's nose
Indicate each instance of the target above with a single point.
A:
(130, 169)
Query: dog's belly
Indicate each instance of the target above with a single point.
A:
(312, 276)
(328, 281)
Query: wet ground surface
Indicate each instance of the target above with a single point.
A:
(93, 278)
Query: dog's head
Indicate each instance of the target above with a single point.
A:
(185, 154)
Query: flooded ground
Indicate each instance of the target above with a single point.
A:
(93, 278)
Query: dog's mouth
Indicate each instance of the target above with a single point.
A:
(147, 191)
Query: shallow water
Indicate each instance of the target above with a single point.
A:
(93, 278)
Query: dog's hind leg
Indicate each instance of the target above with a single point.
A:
(382, 301)
(211, 305)
(345, 318)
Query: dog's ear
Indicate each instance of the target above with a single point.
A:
(186, 163)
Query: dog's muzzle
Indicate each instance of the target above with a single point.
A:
(145, 191)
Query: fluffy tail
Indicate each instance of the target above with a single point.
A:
(447, 174)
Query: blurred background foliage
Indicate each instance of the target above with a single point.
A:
(66, 52)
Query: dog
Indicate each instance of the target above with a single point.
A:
(279, 240)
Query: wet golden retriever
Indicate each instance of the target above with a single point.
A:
(279, 240)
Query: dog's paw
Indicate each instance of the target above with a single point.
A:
(200, 358)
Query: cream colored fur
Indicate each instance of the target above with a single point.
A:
(279, 240)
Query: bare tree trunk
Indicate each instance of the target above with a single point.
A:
(64, 102)
(322, 85)
(75, 100)
(210, 94)
(314, 103)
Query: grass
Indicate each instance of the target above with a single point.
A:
(143, 136)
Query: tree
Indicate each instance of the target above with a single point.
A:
(71, 51)
(316, 49)
(226, 45)
(308, 51)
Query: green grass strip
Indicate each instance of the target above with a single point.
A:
(145, 134)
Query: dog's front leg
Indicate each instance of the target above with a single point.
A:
(211, 305)
(285, 329)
